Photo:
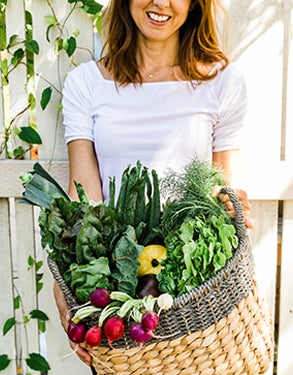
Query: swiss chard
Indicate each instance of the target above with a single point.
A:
(125, 263)
(99, 231)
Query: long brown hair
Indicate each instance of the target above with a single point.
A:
(199, 42)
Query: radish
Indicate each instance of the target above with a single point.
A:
(100, 297)
(139, 334)
(76, 332)
(114, 329)
(94, 336)
(165, 302)
(150, 321)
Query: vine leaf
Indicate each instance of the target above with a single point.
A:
(17, 56)
(46, 96)
(8, 325)
(4, 361)
(90, 6)
(38, 314)
(71, 46)
(29, 135)
(32, 46)
(16, 303)
(12, 40)
(37, 362)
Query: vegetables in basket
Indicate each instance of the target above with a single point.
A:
(111, 245)
(80, 235)
(195, 252)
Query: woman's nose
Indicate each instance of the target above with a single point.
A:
(162, 3)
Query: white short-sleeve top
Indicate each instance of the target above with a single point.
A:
(162, 124)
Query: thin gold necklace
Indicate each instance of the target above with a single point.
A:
(152, 75)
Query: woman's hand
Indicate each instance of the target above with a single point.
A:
(229, 206)
(79, 349)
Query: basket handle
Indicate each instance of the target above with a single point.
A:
(239, 217)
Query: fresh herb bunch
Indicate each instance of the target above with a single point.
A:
(190, 194)
(195, 252)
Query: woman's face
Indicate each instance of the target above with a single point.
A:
(158, 20)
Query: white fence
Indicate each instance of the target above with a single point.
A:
(261, 43)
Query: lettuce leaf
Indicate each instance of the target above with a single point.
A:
(86, 278)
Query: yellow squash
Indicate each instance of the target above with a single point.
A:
(150, 259)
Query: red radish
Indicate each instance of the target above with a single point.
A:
(139, 334)
(150, 321)
(76, 332)
(100, 297)
(114, 329)
(94, 336)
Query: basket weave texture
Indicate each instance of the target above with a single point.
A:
(221, 327)
(240, 343)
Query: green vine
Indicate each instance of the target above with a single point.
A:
(18, 141)
(21, 319)
(18, 51)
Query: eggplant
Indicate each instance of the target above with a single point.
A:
(147, 285)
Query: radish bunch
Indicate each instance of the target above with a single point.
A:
(142, 332)
(113, 307)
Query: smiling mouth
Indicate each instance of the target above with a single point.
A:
(158, 18)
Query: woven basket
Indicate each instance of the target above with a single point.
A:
(221, 327)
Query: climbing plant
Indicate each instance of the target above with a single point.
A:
(21, 141)
(16, 51)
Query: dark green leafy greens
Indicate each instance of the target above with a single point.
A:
(81, 235)
(100, 229)
(138, 202)
(41, 188)
(125, 263)
(195, 252)
(59, 228)
(84, 279)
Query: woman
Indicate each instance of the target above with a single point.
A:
(163, 92)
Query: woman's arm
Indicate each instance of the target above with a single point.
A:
(83, 168)
(230, 163)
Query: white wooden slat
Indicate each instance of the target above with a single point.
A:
(25, 280)
(53, 70)
(257, 45)
(7, 343)
(59, 354)
(264, 182)
(10, 171)
(2, 121)
(285, 358)
(18, 98)
(288, 97)
(264, 243)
